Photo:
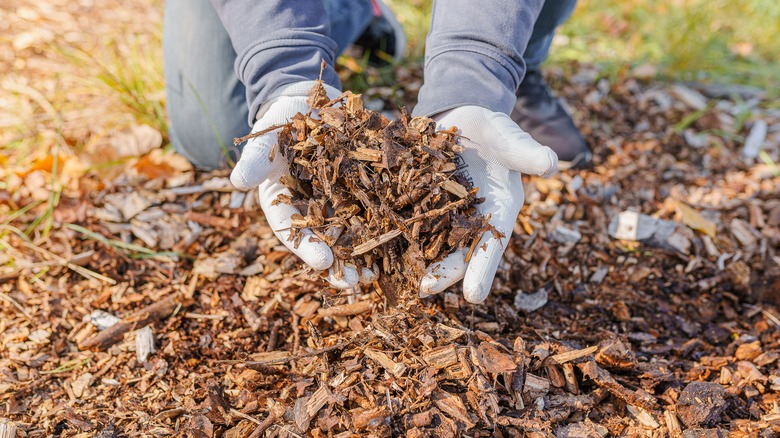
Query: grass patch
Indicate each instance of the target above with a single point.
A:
(130, 249)
(129, 70)
(702, 40)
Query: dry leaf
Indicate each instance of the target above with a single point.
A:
(135, 141)
(493, 360)
(694, 219)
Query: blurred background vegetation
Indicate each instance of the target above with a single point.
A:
(73, 86)
(729, 41)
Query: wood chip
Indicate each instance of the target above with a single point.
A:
(144, 344)
(453, 406)
(7, 428)
(454, 188)
(494, 360)
(356, 308)
(441, 357)
(373, 243)
(395, 368)
(645, 418)
(573, 355)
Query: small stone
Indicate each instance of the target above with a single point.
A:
(531, 302)
(630, 225)
(689, 97)
(599, 275)
(562, 234)
(102, 319)
(701, 404)
(755, 140)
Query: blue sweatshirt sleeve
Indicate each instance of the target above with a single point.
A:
(474, 54)
(277, 42)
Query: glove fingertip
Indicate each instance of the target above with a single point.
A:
(248, 173)
(238, 179)
(368, 276)
(341, 283)
(552, 161)
(475, 293)
(317, 257)
(428, 286)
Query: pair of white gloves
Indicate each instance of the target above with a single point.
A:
(496, 152)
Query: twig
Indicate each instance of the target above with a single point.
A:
(572, 355)
(147, 315)
(239, 140)
(296, 332)
(192, 315)
(440, 211)
(373, 243)
(273, 337)
(17, 305)
(353, 309)
(8, 277)
(121, 245)
(84, 272)
(766, 313)
(245, 416)
(268, 422)
(284, 360)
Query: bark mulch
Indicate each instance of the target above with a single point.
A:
(637, 298)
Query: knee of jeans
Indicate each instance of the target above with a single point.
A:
(207, 144)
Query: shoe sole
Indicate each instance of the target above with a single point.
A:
(580, 161)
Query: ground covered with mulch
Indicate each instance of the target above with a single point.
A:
(637, 298)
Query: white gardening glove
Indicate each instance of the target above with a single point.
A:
(255, 169)
(496, 152)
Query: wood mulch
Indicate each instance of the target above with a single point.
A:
(637, 298)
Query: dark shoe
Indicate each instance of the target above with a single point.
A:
(384, 38)
(540, 114)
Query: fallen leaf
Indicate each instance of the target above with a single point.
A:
(45, 163)
(694, 219)
(493, 360)
(135, 141)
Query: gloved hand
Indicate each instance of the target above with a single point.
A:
(256, 169)
(496, 152)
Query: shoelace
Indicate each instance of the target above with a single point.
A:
(375, 7)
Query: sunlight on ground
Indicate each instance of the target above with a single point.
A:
(78, 79)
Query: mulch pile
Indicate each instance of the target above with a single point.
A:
(384, 196)
(639, 298)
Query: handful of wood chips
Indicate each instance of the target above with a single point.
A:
(384, 195)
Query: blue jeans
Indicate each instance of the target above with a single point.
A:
(207, 103)
(553, 14)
